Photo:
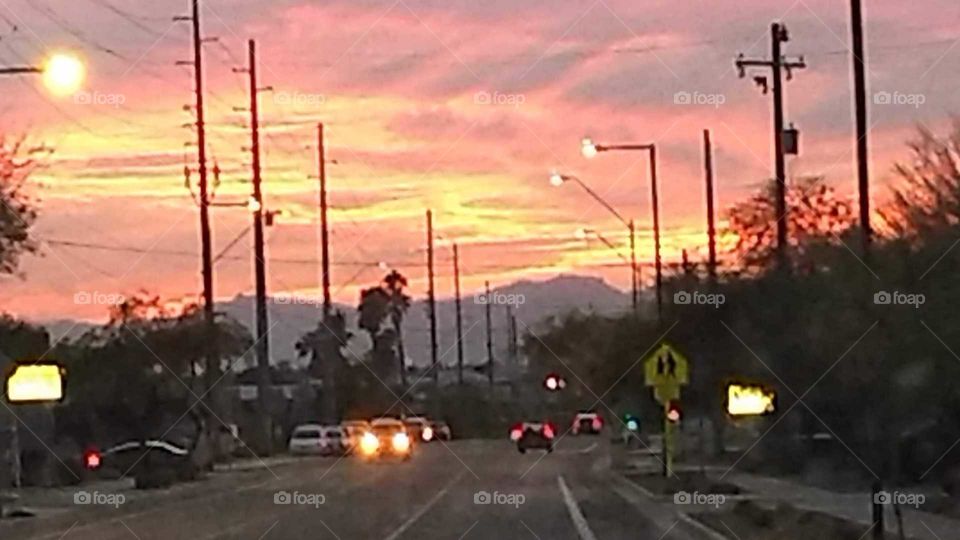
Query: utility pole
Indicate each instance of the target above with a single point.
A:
(210, 352)
(324, 230)
(635, 297)
(655, 202)
(511, 334)
(863, 187)
(514, 337)
(459, 308)
(259, 258)
(711, 223)
(489, 335)
(860, 97)
(432, 301)
(777, 64)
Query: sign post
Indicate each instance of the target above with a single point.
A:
(30, 383)
(666, 370)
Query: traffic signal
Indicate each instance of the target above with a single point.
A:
(673, 411)
(92, 459)
(633, 424)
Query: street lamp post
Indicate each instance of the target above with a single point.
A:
(589, 150)
(558, 179)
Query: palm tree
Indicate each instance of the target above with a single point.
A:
(386, 301)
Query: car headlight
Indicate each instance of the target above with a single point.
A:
(369, 443)
(401, 442)
(427, 434)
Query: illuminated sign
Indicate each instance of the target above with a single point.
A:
(32, 383)
(749, 400)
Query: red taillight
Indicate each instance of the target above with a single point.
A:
(91, 459)
(516, 432)
(548, 431)
(597, 423)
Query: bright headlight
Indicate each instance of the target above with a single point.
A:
(369, 443)
(427, 433)
(401, 443)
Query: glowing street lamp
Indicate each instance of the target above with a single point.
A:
(590, 149)
(587, 148)
(557, 179)
(63, 74)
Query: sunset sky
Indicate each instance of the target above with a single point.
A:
(462, 106)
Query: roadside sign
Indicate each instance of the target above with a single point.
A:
(666, 367)
(35, 383)
(666, 370)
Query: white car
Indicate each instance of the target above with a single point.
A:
(587, 422)
(318, 440)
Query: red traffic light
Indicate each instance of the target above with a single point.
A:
(673, 412)
(92, 459)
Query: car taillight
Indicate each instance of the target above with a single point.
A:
(597, 423)
(548, 431)
(516, 432)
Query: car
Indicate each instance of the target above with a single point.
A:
(533, 435)
(386, 438)
(419, 428)
(153, 463)
(317, 440)
(587, 422)
(441, 431)
(354, 429)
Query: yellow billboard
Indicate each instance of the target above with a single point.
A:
(749, 400)
(32, 383)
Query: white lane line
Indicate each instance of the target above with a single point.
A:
(580, 522)
(424, 509)
(588, 449)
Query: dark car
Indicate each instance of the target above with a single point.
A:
(533, 435)
(152, 463)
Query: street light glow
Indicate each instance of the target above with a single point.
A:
(587, 148)
(63, 74)
(556, 179)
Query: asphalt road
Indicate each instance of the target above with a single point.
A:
(461, 489)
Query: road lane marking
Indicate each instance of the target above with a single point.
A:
(580, 522)
(424, 509)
